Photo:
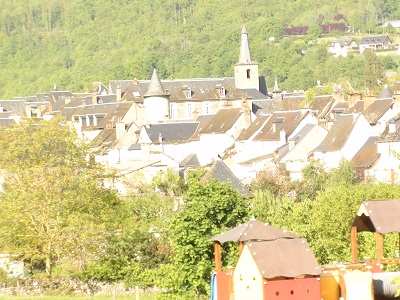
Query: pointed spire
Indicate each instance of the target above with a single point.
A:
(155, 86)
(244, 56)
(276, 87)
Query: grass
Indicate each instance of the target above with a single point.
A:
(108, 297)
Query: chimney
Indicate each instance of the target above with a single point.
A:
(195, 115)
(1, 109)
(119, 93)
(50, 107)
(353, 98)
(392, 127)
(94, 98)
(120, 130)
(369, 99)
(282, 137)
(28, 110)
(246, 114)
(135, 81)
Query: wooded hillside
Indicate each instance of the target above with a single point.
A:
(71, 44)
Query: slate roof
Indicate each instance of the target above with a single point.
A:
(155, 87)
(223, 120)
(266, 107)
(338, 134)
(7, 122)
(293, 102)
(321, 105)
(220, 171)
(171, 132)
(343, 42)
(253, 230)
(375, 39)
(190, 161)
(374, 112)
(13, 107)
(105, 138)
(381, 216)
(356, 108)
(244, 53)
(367, 155)
(281, 120)
(203, 120)
(202, 89)
(284, 258)
(253, 128)
(389, 137)
(386, 93)
(112, 112)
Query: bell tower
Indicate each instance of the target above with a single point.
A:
(246, 71)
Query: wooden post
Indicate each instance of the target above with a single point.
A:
(241, 246)
(354, 245)
(217, 256)
(379, 246)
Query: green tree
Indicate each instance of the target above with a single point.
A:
(373, 70)
(53, 208)
(209, 210)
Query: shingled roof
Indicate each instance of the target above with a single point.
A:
(367, 155)
(253, 230)
(386, 93)
(284, 258)
(381, 216)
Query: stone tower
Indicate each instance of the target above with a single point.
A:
(156, 101)
(246, 71)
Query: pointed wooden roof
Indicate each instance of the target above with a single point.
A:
(253, 230)
(378, 216)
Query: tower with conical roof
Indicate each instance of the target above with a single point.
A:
(156, 101)
(246, 71)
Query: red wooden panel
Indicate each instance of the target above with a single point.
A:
(293, 289)
(224, 283)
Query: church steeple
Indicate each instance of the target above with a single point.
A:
(244, 55)
(246, 71)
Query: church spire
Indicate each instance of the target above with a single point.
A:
(155, 86)
(244, 56)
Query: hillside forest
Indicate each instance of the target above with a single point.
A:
(71, 44)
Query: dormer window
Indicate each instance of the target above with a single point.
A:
(188, 92)
(222, 91)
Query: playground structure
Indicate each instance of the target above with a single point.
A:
(276, 264)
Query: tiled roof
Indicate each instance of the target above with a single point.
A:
(171, 132)
(155, 87)
(14, 107)
(343, 42)
(253, 128)
(265, 107)
(376, 110)
(7, 122)
(203, 120)
(223, 120)
(105, 138)
(338, 134)
(220, 171)
(367, 155)
(190, 161)
(282, 120)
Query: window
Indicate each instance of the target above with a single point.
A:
(248, 73)
(188, 92)
(189, 110)
(222, 91)
(206, 108)
(172, 111)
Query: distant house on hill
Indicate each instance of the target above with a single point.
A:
(375, 43)
(340, 47)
